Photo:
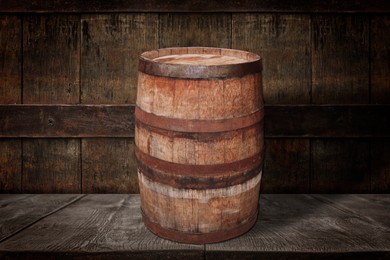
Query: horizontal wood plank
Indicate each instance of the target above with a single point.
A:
(19, 211)
(66, 121)
(281, 121)
(95, 6)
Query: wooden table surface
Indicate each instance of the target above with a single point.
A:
(100, 226)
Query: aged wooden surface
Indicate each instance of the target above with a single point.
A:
(380, 166)
(20, 211)
(96, 226)
(10, 165)
(51, 66)
(95, 6)
(380, 56)
(10, 57)
(51, 59)
(203, 212)
(348, 121)
(67, 121)
(281, 121)
(286, 166)
(10, 93)
(340, 166)
(340, 59)
(102, 226)
(283, 42)
(111, 45)
(109, 166)
(211, 30)
(51, 166)
(313, 226)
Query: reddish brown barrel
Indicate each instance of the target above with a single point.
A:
(199, 142)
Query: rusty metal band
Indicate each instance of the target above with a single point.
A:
(192, 170)
(208, 126)
(198, 181)
(199, 238)
(199, 136)
(188, 71)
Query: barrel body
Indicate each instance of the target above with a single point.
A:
(199, 142)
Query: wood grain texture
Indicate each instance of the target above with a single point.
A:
(109, 166)
(283, 42)
(10, 165)
(51, 75)
(340, 166)
(20, 211)
(51, 59)
(380, 56)
(51, 166)
(286, 166)
(211, 30)
(10, 59)
(111, 45)
(281, 121)
(96, 226)
(327, 121)
(66, 121)
(95, 6)
(380, 166)
(10, 93)
(307, 227)
(340, 59)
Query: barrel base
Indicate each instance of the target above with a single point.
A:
(199, 238)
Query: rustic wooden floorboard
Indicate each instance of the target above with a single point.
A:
(289, 227)
(307, 226)
(19, 211)
(97, 226)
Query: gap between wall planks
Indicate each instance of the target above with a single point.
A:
(94, 48)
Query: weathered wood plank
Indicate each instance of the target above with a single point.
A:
(183, 30)
(10, 59)
(111, 46)
(283, 42)
(51, 166)
(109, 166)
(340, 166)
(51, 71)
(307, 227)
(373, 207)
(51, 59)
(95, 6)
(286, 166)
(284, 121)
(110, 225)
(20, 211)
(327, 121)
(340, 59)
(10, 165)
(67, 121)
(380, 57)
(380, 166)
(10, 93)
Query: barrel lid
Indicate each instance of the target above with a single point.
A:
(199, 63)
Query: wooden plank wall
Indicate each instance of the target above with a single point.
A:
(91, 58)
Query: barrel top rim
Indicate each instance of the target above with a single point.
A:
(148, 64)
(244, 55)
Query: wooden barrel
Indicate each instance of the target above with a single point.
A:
(199, 142)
